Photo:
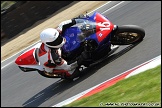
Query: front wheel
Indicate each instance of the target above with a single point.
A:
(128, 34)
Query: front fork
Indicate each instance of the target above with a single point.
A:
(113, 37)
(114, 29)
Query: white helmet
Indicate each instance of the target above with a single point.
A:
(51, 38)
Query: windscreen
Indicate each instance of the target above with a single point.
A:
(85, 29)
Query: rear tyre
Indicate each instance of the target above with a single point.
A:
(128, 34)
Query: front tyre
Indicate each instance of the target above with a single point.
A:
(128, 34)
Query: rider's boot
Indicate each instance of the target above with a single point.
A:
(75, 74)
(77, 65)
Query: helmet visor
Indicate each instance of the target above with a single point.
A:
(56, 42)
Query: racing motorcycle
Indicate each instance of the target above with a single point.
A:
(95, 34)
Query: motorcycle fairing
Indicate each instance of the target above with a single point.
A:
(26, 58)
(104, 27)
(101, 24)
(72, 41)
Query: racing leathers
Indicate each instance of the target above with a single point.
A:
(50, 58)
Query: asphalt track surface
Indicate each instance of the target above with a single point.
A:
(19, 89)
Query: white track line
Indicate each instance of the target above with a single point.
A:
(113, 7)
(6, 65)
(99, 7)
(88, 13)
(20, 51)
(153, 63)
(39, 40)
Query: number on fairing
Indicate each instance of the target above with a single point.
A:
(105, 25)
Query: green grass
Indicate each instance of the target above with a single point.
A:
(143, 88)
(7, 4)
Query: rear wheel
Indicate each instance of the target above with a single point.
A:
(128, 34)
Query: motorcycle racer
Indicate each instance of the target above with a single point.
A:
(87, 43)
(50, 50)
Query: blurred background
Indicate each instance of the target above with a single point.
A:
(19, 15)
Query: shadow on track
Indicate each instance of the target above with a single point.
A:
(62, 85)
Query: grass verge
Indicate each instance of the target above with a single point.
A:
(143, 89)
